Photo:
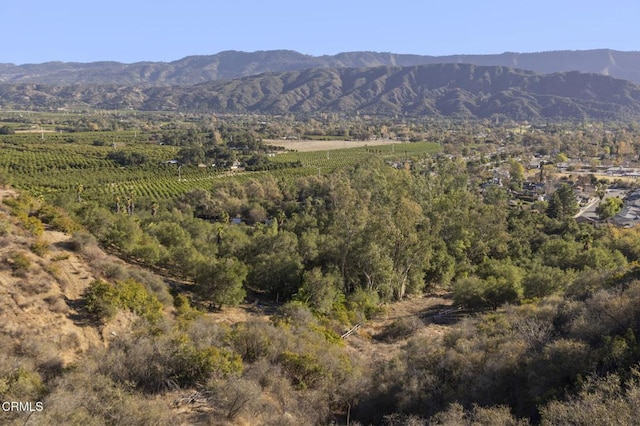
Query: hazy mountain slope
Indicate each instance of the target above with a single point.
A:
(459, 90)
(232, 64)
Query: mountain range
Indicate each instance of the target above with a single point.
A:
(232, 64)
(441, 90)
(237, 82)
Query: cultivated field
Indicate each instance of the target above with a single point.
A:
(312, 145)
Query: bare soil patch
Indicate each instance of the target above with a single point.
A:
(312, 145)
(36, 131)
(421, 313)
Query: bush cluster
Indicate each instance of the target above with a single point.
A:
(104, 299)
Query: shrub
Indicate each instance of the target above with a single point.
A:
(477, 293)
(112, 270)
(400, 329)
(191, 365)
(364, 304)
(57, 219)
(235, 396)
(57, 304)
(256, 340)
(153, 283)
(21, 384)
(19, 262)
(86, 397)
(33, 225)
(20, 206)
(5, 226)
(157, 362)
(105, 299)
(34, 286)
(81, 240)
(134, 296)
(101, 299)
(40, 247)
(601, 401)
(304, 369)
(456, 415)
(59, 257)
(184, 310)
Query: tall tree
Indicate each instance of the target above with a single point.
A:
(221, 281)
(563, 203)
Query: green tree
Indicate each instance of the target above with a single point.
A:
(563, 203)
(516, 173)
(192, 155)
(275, 265)
(499, 282)
(609, 207)
(319, 291)
(221, 281)
(6, 130)
(561, 158)
(545, 280)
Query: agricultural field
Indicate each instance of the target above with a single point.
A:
(326, 145)
(48, 164)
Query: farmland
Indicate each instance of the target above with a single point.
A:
(54, 163)
(326, 145)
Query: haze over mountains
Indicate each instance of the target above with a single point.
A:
(581, 85)
(232, 64)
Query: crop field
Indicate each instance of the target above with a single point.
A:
(331, 159)
(53, 163)
(326, 145)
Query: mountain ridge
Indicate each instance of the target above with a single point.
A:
(233, 64)
(441, 90)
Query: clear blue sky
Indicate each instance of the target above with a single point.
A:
(35, 31)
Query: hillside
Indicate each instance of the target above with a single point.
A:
(58, 353)
(232, 64)
(41, 295)
(442, 90)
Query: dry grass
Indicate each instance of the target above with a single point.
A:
(34, 305)
(381, 339)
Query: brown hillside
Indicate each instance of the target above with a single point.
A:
(41, 305)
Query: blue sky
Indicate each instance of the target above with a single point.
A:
(35, 31)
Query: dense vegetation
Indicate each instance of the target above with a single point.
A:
(544, 328)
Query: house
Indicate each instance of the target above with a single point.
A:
(628, 217)
(586, 219)
(236, 166)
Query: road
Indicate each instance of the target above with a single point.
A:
(590, 209)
